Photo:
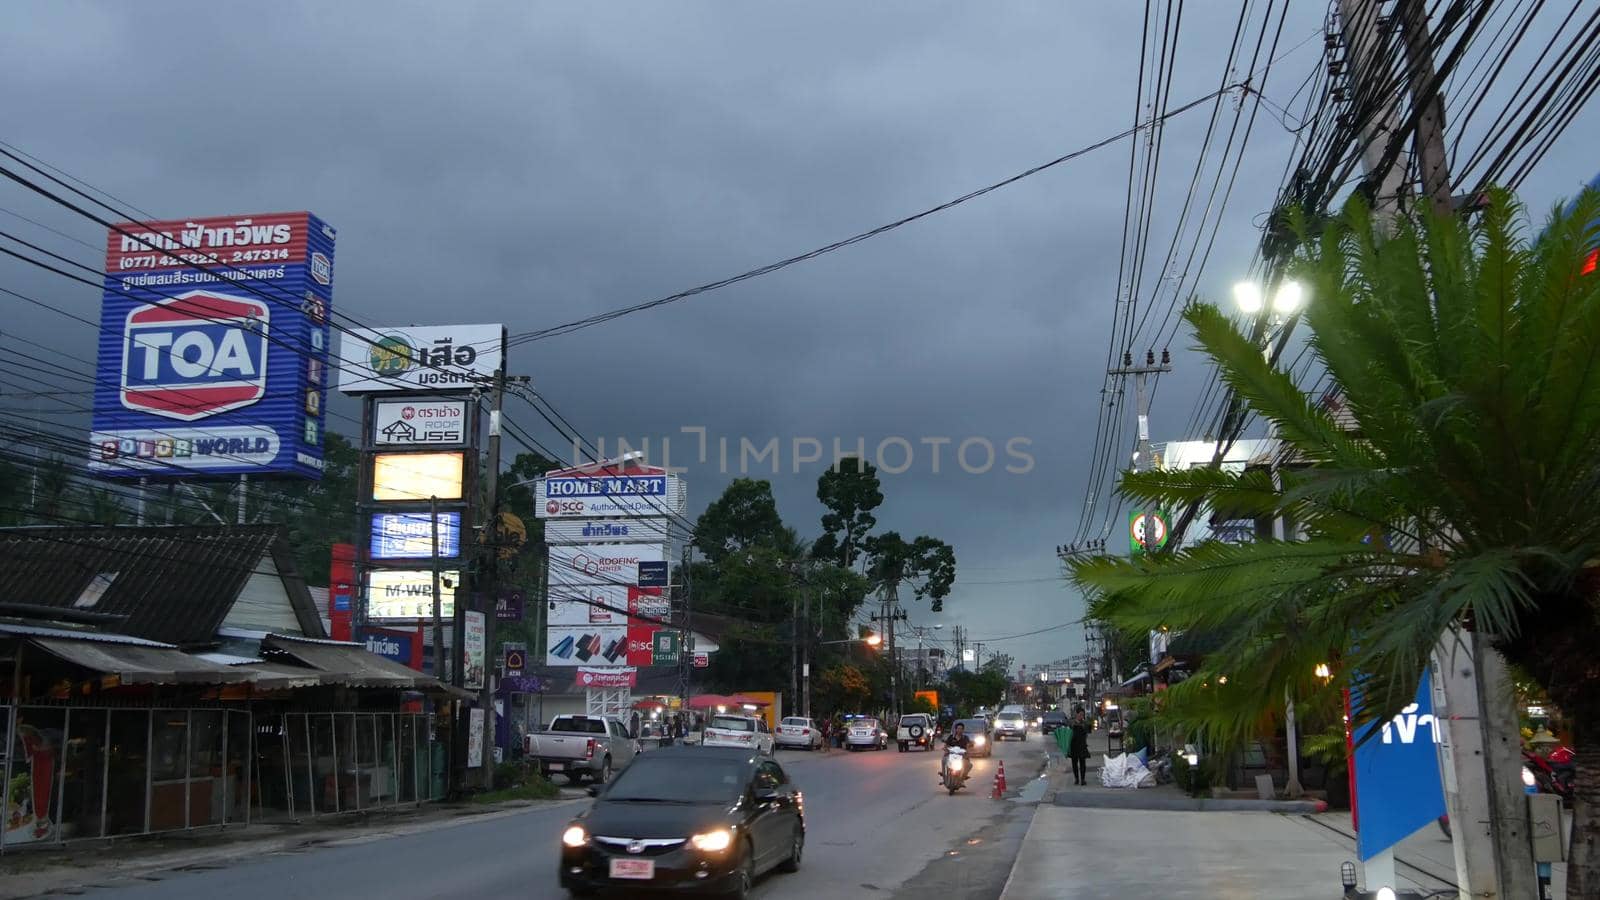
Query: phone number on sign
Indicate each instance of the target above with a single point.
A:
(162, 260)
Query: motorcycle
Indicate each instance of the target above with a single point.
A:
(956, 769)
(1540, 775)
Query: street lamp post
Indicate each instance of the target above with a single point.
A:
(1287, 299)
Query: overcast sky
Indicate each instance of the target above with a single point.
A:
(531, 163)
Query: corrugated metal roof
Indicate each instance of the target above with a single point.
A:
(173, 584)
(350, 663)
(23, 629)
(140, 664)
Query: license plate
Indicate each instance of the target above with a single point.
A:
(556, 767)
(636, 869)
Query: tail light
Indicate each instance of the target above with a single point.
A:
(805, 731)
(588, 752)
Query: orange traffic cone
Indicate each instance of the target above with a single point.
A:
(999, 781)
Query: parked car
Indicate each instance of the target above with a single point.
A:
(581, 746)
(980, 739)
(915, 730)
(686, 818)
(1011, 725)
(750, 732)
(797, 731)
(865, 732)
(1052, 720)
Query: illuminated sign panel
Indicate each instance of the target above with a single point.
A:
(417, 476)
(408, 593)
(410, 535)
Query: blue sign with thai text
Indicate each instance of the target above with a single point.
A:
(409, 535)
(391, 645)
(213, 353)
(1398, 786)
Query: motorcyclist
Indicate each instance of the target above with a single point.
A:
(956, 738)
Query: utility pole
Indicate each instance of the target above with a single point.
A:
(1479, 756)
(438, 619)
(489, 589)
(244, 489)
(685, 646)
(1141, 455)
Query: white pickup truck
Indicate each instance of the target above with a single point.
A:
(576, 746)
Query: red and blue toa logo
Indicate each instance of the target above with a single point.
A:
(195, 356)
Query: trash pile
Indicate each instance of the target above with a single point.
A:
(1126, 770)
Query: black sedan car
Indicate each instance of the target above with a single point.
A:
(685, 819)
(1052, 720)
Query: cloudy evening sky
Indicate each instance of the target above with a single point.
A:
(532, 163)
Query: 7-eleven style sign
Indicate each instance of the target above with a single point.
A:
(1147, 530)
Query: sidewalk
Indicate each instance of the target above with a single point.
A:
(1164, 797)
(29, 873)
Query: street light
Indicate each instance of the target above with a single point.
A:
(1287, 299)
(1323, 672)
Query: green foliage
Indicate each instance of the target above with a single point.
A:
(927, 564)
(841, 688)
(967, 690)
(518, 781)
(850, 492)
(920, 705)
(743, 518)
(1468, 358)
(1193, 780)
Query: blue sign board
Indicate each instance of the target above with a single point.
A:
(213, 354)
(409, 535)
(395, 646)
(608, 486)
(652, 574)
(1398, 785)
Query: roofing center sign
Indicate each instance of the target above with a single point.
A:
(213, 347)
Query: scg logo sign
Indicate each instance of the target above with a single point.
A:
(195, 356)
(563, 507)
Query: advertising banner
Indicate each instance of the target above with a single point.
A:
(213, 348)
(403, 647)
(341, 590)
(417, 477)
(649, 530)
(604, 564)
(414, 422)
(622, 496)
(408, 594)
(641, 644)
(588, 605)
(666, 647)
(653, 574)
(508, 606)
(473, 654)
(591, 645)
(648, 603)
(410, 535)
(418, 358)
(606, 678)
(1398, 785)
(474, 738)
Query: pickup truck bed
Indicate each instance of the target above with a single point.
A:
(578, 746)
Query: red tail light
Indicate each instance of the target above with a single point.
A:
(588, 752)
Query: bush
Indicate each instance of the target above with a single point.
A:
(1192, 780)
(509, 774)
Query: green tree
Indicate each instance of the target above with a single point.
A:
(1464, 497)
(927, 564)
(841, 688)
(745, 516)
(850, 492)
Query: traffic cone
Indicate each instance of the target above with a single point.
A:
(999, 781)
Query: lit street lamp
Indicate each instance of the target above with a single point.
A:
(1286, 300)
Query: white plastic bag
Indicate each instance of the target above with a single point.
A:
(1112, 769)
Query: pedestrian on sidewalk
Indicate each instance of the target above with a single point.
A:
(1078, 746)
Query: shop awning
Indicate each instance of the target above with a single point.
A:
(352, 665)
(139, 663)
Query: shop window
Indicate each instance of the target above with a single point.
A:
(83, 788)
(128, 771)
(323, 767)
(274, 782)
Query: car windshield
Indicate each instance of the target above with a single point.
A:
(972, 725)
(794, 720)
(733, 723)
(864, 723)
(679, 779)
(581, 724)
(1011, 717)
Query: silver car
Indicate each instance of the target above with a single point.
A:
(1011, 725)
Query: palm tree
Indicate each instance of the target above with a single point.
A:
(1464, 497)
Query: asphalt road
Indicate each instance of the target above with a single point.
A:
(878, 823)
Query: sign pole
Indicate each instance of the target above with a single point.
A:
(438, 621)
(489, 592)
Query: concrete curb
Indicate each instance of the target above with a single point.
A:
(1133, 799)
(1021, 849)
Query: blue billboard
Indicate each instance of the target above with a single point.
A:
(1399, 788)
(409, 535)
(213, 356)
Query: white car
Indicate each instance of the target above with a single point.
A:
(915, 730)
(1011, 725)
(798, 731)
(864, 733)
(738, 731)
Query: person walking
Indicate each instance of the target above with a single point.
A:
(1078, 747)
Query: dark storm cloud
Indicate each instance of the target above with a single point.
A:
(535, 163)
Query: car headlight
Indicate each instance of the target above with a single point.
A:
(713, 841)
(978, 741)
(575, 836)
